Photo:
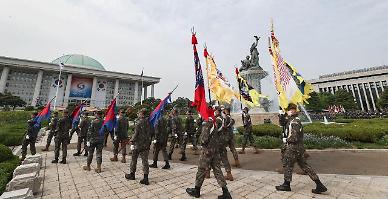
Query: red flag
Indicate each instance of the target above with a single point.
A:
(199, 94)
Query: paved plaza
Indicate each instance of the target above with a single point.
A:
(70, 181)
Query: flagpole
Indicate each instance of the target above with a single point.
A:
(141, 94)
(59, 79)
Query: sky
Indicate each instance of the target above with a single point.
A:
(317, 37)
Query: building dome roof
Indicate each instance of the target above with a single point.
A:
(80, 61)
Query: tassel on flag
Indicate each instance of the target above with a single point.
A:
(110, 121)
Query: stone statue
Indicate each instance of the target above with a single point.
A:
(253, 60)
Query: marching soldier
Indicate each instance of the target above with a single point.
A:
(84, 127)
(176, 131)
(141, 141)
(51, 127)
(294, 153)
(74, 129)
(198, 130)
(188, 135)
(120, 137)
(30, 137)
(160, 143)
(62, 137)
(248, 136)
(95, 142)
(209, 158)
(229, 123)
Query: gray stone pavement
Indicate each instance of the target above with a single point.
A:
(70, 181)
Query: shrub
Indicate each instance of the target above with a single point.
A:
(264, 130)
(7, 166)
(317, 142)
(267, 142)
(29, 108)
(5, 153)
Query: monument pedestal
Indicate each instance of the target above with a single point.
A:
(253, 76)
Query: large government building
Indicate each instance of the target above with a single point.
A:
(366, 85)
(82, 79)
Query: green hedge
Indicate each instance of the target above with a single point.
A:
(264, 130)
(7, 166)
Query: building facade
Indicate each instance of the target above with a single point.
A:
(366, 85)
(82, 79)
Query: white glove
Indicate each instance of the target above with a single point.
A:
(27, 137)
(175, 135)
(115, 138)
(87, 143)
(185, 133)
(132, 147)
(154, 141)
(284, 140)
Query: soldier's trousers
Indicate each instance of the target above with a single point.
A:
(248, 137)
(58, 144)
(49, 138)
(116, 144)
(160, 147)
(207, 161)
(292, 156)
(173, 142)
(72, 131)
(25, 144)
(224, 159)
(144, 160)
(81, 139)
(98, 147)
(231, 144)
(183, 143)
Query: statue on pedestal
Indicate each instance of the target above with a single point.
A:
(252, 60)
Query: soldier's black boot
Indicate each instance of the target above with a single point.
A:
(320, 187)
(77, 154)
(183, 158)
(145, 180)
(63, 161)
(154, 165)
(130, 176)
(284, 187)
(195, 192)
(55, 161)
(166, 166)
(225, 194)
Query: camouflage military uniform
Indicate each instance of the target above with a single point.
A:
(74, 129)
(190, 129)
(294, 150)
(209, 155)
(83, 132)
(248, 136)
(176, 131)
(161, 136)
(121, 136)
(52, 127)
(30, 138)
(141, 141)
(198, 130)
(62, 137)
(95, 141)
(227, 138)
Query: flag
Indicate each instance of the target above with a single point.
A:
(290, 85)
(218, 84)
(199, 94)
(157, 113)
(75, 115)
(110, 121)
(249, 95)
(43, 115)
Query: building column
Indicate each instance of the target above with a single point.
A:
(136, 93)
(145, 92)
(116, 88)
(37, 88)
(360, 98)
(3, 80)
(382, 87)
(94, 90)
(366, 97)
(152, 90)
(67, 90)
(352, 89)
(377, 90)
(371, 96)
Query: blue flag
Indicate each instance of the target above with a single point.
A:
(157, 113)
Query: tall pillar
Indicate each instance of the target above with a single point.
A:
(352, 89)
(136, 93)
(382, 87)
(145, 92)
(94, 90)
(116, 88)
(67, 90)
(37, 88)
(360, 98)
(377, 90)
(152, 90)
(366, 97)
(371, 96)
(3, 79)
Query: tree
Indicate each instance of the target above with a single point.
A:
(7, 99)
(315, 103)
(326, 99)
(382, 102)
(345, 98)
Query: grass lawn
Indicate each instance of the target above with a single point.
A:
(13, 125)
